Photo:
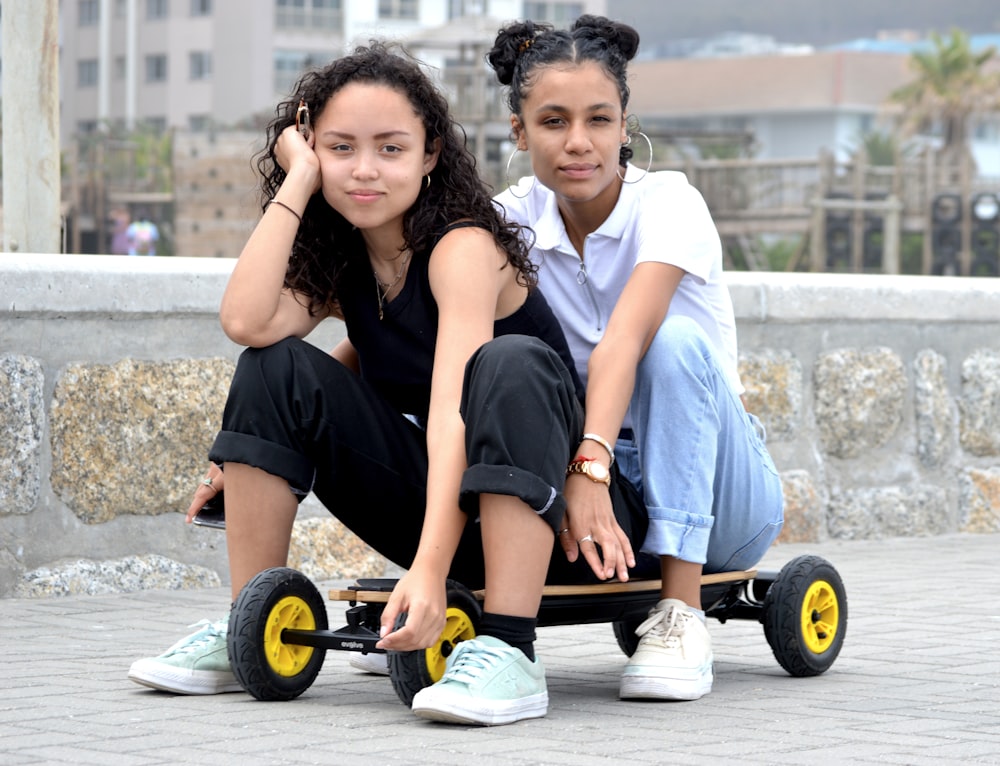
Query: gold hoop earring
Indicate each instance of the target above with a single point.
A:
(427, 181)
(648, 164)
(510, 186)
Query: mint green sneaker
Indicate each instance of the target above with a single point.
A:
(197, 664)
(486, 681)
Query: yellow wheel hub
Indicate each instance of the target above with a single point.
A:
(820, 617)
(458, 627)
(288, 659)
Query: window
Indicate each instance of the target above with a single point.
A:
(86, 126)
(460, 8)
(309, 14)
(157, 9)
(201, 7)
(556, 13)
(397, 9)
(199, 123)
(287, 67)
(156, 68)
(86, 73)
(88, 13)
(157, 125)
(200, 65)
(121, 9)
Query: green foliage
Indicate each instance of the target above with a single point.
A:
(911, 256)
(951, 84)
(777, 253)
(882, 148)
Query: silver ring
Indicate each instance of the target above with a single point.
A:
(207, 481)
(564, 531)
(585, 539)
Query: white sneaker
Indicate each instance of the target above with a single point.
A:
(674, 658)
(375, 663)
(197, 664)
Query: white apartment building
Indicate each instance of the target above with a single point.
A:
(199, 64)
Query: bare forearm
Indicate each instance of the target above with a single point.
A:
(250, 309)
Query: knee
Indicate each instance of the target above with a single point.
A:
(519, 368)
(680, 345)
(514, 355)
(279, 367)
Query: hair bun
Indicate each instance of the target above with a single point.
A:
(619, 35)
(511, 41)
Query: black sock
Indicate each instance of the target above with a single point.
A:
(519, 632)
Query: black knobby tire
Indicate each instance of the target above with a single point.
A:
(412, 671)
(625, 635)
(262, 662)
(805, 616)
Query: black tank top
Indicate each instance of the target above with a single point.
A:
(396, 353)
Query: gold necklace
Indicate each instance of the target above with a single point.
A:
(382, 288)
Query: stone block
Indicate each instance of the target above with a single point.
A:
(979, 429)
(324, 549)
(22, 423)
(934, 410)
(132, 573)
(133, 437)
(979, 501)
(859, 399)
(773, 381)
(803, 509)
(882, 512)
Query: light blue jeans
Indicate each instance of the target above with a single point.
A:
(699, 461)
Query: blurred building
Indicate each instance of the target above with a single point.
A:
(202, 64)
(163, 101)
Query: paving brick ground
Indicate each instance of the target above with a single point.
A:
(918, 682)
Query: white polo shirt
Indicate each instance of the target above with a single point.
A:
(660, 218)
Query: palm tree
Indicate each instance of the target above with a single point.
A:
(952, 85)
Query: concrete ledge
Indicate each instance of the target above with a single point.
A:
(61, 285)
(798, 298)
(881, 396)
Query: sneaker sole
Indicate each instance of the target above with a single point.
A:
(197, 682)
(446, 711)
(376, 664)
(660, 688)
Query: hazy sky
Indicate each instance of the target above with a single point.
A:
(819, 22)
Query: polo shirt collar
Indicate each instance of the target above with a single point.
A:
(550, 232)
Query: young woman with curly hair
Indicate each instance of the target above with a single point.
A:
(413, 430)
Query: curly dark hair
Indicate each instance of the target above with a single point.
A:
(326, 243)
(523, 47)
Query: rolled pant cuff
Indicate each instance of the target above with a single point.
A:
(235, 447)
(542, 498)
(684, 540)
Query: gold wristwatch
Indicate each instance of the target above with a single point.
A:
(591, 469)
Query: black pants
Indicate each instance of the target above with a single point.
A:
(295, 412)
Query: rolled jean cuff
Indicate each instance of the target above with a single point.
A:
(235, 447)
(542, 498)
(681, 535)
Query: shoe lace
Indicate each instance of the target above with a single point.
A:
(210, 631)
(666, 625)
(472, 660)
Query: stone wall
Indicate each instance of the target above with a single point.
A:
(881, 397)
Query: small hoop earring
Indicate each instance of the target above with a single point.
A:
(427, 181)
(649, 164)
(510, 186)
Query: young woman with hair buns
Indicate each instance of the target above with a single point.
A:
(631, 263)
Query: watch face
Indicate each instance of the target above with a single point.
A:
(598, 471)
